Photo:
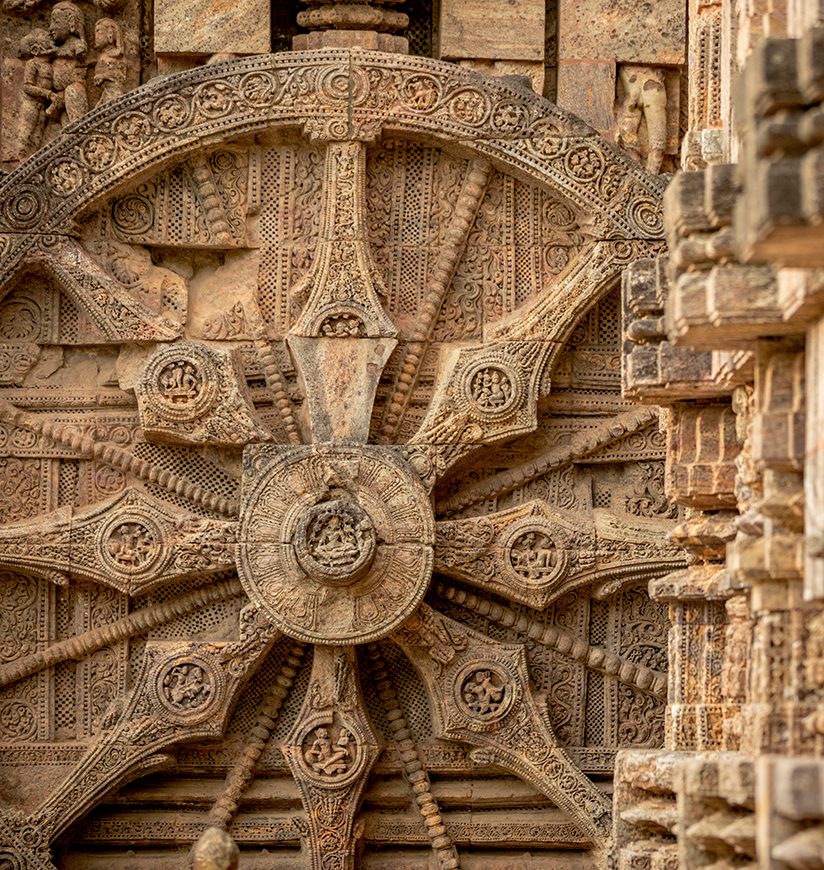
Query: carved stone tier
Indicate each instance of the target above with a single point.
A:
(362, 23)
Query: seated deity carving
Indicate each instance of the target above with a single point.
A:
(327, 757)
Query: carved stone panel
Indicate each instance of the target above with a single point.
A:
(322, 497)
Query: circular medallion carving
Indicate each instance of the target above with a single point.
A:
(187, 686)
(180, 384)
(336, 542)
(492, 388)
(331, 750)
(172, 112)
(133, 131)
(215, 99)
(130, 543)
(25, 209)
(98, 152)
(484, 691)
(65, 177)
(421, 92)
(11, 859)
(531, 552)
(133, 214)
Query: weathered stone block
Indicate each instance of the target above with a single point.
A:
(211, 26)
(648, 33)
(489, 29)
(702, 451)
(589, 86)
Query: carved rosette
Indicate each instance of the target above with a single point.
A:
(193, 394)
(335, 541)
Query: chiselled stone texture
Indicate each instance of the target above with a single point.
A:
(324, 506)
(653, 368)
(396, 469)
(677, 810)
(702, 451)
(210, 27)
(704, 142)
(472, 30)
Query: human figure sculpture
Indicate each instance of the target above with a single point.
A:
(38, 78)
(179, 382)
(130, 545)
(68, 30)
(336, 543)
(531, 558)
(645, 95)
(110, 69)
(325, 758)
(491, 389)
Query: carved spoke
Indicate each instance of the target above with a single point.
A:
(485, 395)
(416, 775)
(481, 695)
(115, 312)
(343, 337)
(594, 657)
(579, 447)
(241, 774)
(190, 393)
(116, 457)
(275, 380)
(488, 393)
(132, 543)
(552, 315)
(331, 751)
(185, 692)
(536, 552)
(466, 209)
(140, 621)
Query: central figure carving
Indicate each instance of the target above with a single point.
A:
(336, 540)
